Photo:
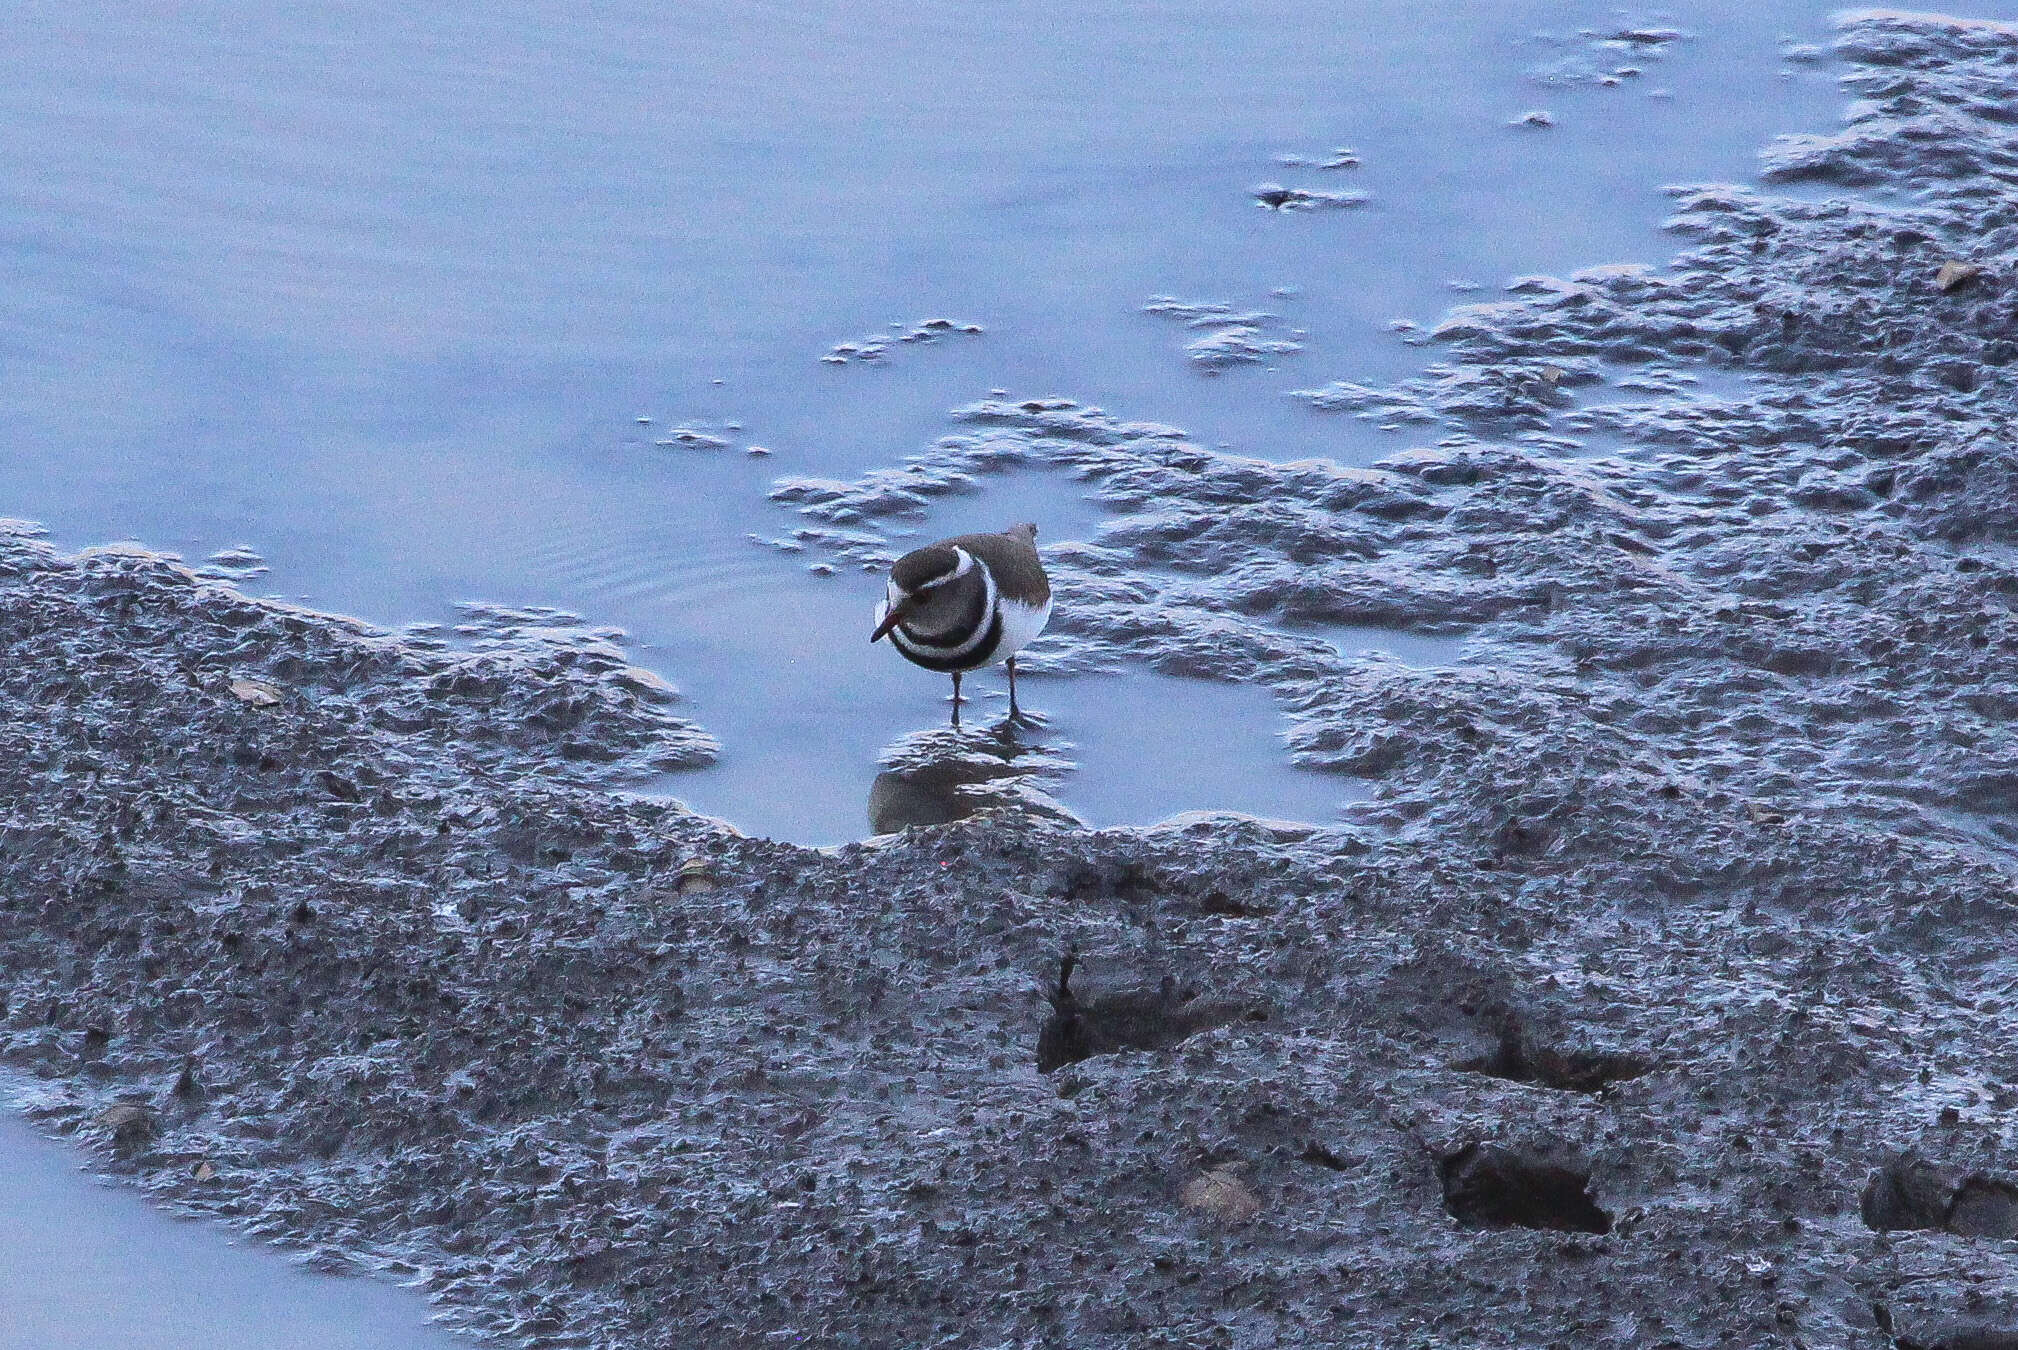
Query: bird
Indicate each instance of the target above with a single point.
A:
(964, 602)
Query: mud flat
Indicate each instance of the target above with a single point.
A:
(1659, 995)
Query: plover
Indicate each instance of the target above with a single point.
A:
(963, 602)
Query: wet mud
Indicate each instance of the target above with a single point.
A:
(877, 347)
(1229, 337)
(1276, 197)
(381, 961)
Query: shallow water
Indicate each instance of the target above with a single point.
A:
(90, 1267)
(388, 295)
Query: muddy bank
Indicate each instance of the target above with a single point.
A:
(384, 965)
(606, 1073)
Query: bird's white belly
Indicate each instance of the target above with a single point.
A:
(1021, 624)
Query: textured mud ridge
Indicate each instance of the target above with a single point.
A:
(1675, 928)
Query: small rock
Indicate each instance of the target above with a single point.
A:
(255, 693)
(336, 785)
(1534, 117)
(695, 878)
(1222, 1194)
(131, 1126)
(1953, 275)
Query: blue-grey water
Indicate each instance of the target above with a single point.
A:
(384, 290)
(85, 1266)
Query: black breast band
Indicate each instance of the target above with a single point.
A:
(920, 653)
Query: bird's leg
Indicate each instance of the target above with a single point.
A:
(956, 698)
(1017, 717)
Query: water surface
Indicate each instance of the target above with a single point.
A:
(385, 292)
(87, 1266)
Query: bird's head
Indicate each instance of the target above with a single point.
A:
(917, 580)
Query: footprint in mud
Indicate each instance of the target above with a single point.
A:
(1519, 1058)
(1136, 1019)
(1913, 1193)
(1494, 1186)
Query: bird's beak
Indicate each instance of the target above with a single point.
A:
(890, 620)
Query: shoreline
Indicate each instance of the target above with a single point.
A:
(395, 972)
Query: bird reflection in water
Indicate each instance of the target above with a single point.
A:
(940, 775)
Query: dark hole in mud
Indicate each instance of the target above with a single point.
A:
(1984, 1207)
(1493, 1186)
(1518, 1059)
(1224, 905)
(1136, 1019)
(1915, 1194)
(1517, 838)
(1960, 376)
(1129, 883)
(1317, 1155)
